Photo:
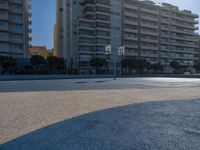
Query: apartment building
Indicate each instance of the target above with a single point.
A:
(14, 28)
(159, 33)
(197, 51)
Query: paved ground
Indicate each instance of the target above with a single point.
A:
(96, 84)
(27, 106)
(149, 126)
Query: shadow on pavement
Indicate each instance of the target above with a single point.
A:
(170, 125)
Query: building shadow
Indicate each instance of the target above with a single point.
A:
(170, 125)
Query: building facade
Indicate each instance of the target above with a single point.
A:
(159, 33)
(14, 28)
(41, 51)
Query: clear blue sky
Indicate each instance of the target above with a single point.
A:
(43, 12)
(43, 20)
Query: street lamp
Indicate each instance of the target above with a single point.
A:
(121, 51)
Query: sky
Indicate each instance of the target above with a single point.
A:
(44, 13)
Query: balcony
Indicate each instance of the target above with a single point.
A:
(16, 1)
(86, 36)
(148, 55)
(103, 37)
(4, 27)
(130, 22)
(103, 28)
(149, 40)
(165, 49)
(4, 5)
(165, 21)
(85, 44)
(102, 44)
(85, 52)
(149, 32)
(102, 20)
(102, 13)
(149, 25)
(131, 54)
(3, 16)
(130, 38)
(165, 35)
(103, 5)
(191, 20)
(89, 13)
(131, 46)
(130, 14)
(4, 38)
(128, 30)
(16, 20)
(16, 10)
(85, 20)
(165, 14)
(189, 26)
(5, 49)
(186, 38)
(183, 44)
(184, 50)
(165, 28)
(148, 47)
(91, 28)
(16, 40)
(150, 18)
(151, 11)
(165, 42)
(183, 31)
(88, 6)
(130, 6)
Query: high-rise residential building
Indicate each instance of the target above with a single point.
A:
(159, 33)
(14, 28)
(197, 51)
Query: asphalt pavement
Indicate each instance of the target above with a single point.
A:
(96, 84)
(100, 114)
(170, 125)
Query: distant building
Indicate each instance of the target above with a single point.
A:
(40, 50)
(159, 33)
(14, 28)
(197, 50)
(198, 56)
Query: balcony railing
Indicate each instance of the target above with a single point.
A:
(4, 16)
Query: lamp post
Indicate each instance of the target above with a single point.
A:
(108, 51)
(121, 52)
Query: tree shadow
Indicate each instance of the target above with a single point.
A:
(170, 125)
